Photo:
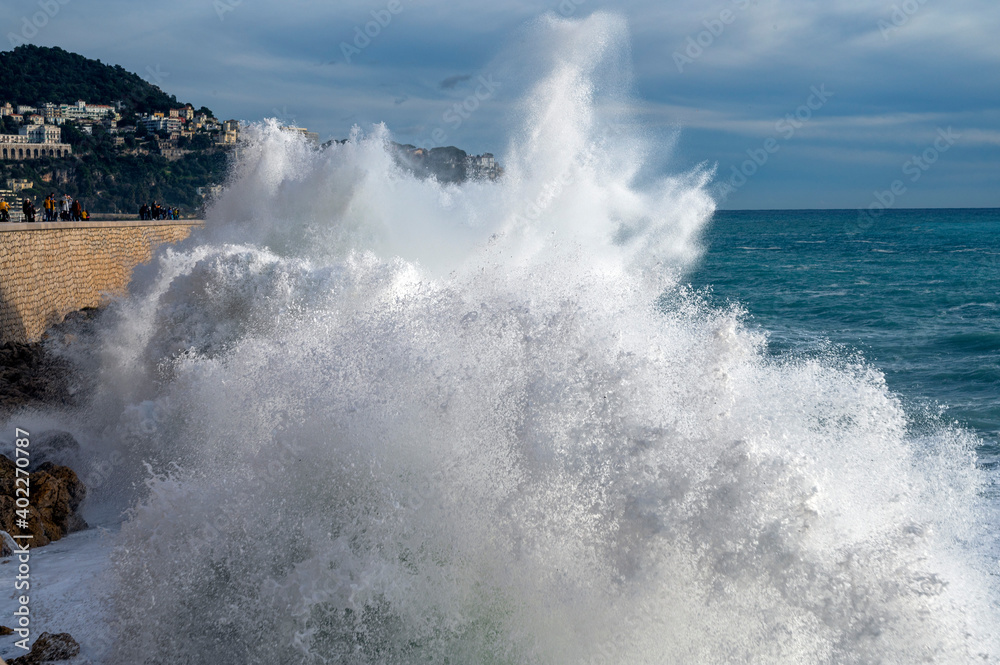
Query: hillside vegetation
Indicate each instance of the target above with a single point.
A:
(105, 174)
(37, 74)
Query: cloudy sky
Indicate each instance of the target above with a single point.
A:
(836, 99)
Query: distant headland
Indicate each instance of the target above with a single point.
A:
(106, 136)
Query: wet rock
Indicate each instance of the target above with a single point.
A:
(4, 630)
(7, 544)
(55, 495)
(30, 376)
(54, 446)
(49, 648)
(46, 373)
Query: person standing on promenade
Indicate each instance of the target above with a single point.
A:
(77, 210)
(67, 200)
(4, 211)
(50, 207)
(28, 208)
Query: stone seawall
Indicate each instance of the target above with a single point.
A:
(48, 270)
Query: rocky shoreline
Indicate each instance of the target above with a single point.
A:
(56, 495)
(31, 376)
(48, 648)
(36, 376)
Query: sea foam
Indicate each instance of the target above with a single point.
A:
(367, 418)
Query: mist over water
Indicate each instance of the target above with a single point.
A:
(364, 418)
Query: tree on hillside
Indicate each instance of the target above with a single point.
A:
(74, 136)
(201, 141)
(36, 74)
(99, 172)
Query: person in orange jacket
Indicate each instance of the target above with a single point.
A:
(50, 207)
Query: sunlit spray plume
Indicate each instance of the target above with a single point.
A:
(392, 421)
(569, 182)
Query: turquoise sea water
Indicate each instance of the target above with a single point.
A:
(915, 292)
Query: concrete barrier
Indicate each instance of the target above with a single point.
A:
(49, 269)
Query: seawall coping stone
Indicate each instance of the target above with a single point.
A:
(50, 226)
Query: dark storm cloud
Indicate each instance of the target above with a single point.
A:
(452, 81)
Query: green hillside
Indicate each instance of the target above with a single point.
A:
(109, 170)
(115, 167)
(120, 183)
(33, 75)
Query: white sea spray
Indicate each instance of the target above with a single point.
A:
(365, 418)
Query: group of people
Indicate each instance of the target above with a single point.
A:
(66, 209)
(156, 211)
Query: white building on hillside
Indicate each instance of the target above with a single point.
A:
(481, 166)
(310, 136)
(39, 133)
(33, 142)
(84, 111)
(155, 124)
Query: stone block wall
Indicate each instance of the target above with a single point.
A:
(48, 270)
